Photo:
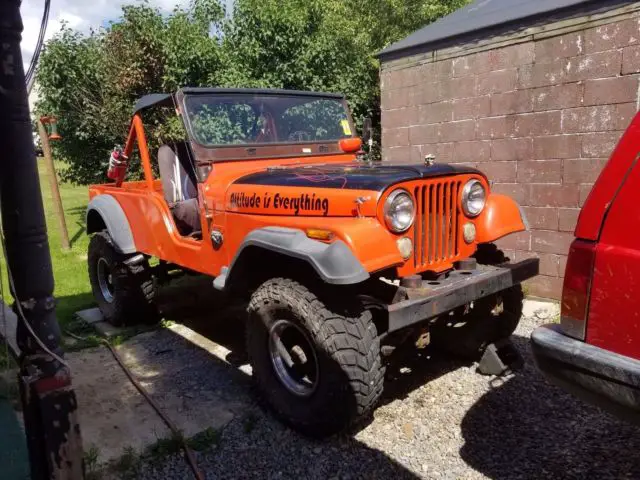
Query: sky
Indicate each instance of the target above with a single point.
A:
(79, 14)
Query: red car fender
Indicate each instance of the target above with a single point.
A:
(501, 216)
(613, 176)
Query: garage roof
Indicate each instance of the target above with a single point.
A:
(486, 14)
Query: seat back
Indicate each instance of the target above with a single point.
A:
(176, 173)
(188, 170)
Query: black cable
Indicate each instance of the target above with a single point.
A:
(38, 49)
(43, 28)
(30, 75)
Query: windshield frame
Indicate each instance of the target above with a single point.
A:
(258, 151)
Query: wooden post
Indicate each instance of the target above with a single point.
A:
(53, 181)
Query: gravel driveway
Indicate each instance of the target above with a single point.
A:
(438, 419)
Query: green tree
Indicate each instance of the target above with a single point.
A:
(301, 44)
(327, 45)
(388, 21)
(91, 82)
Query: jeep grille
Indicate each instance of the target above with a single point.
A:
(437, 223)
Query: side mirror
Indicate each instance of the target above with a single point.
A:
(366, 130)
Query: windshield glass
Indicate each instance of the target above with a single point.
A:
(252, 119)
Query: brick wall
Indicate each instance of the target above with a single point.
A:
(540, 118)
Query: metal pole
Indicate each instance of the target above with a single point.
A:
(53, 182)
(49, 403)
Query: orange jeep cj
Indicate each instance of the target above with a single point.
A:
(341, 259)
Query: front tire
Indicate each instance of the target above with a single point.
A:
(125, 293)
(316, 363)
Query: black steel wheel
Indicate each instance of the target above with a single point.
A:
(317, 364)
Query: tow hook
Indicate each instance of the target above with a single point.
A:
(500, 358)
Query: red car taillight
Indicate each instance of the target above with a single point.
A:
(577, 288)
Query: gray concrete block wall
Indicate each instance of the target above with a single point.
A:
(539, 117)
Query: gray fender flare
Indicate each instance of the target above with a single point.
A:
(334, 262)
(114, 219)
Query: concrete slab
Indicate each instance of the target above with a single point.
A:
(94, 317)
(191, 381)
(219, 351)
(91, 315)
(200, 384)
(107, 330)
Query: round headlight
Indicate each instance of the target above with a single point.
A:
(399, 211)
(474, 197)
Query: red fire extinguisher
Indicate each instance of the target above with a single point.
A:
(118, 162)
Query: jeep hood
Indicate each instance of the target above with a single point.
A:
(353, 176)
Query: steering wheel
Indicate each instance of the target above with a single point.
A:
(300, 136)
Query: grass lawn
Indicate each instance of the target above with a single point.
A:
(72, 288)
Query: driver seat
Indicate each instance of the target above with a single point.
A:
(179, 187)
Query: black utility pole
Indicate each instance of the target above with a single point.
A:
(49, 403)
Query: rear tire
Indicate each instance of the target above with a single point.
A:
(125, 293)
(331, 372)
(468, 331)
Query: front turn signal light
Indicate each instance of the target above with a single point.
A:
(469, 232)
(405, 247)
(320, 234)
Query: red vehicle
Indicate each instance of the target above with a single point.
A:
(595, 351)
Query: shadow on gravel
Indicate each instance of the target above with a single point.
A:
(410, 369)
(193, 302)
(526, 428)
(254, 444)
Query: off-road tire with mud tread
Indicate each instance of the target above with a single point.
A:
(466, 334)
(346, 343)
(135, 288)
